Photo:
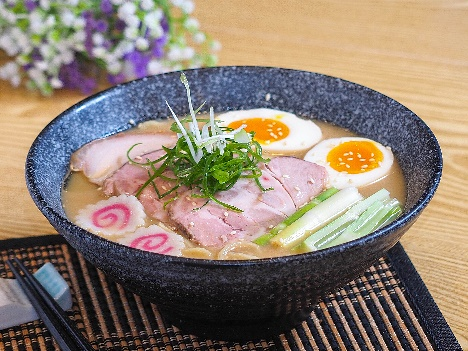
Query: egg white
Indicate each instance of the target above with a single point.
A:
(303, 134)
(318, 154)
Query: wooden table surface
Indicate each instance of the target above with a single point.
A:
(413, 51)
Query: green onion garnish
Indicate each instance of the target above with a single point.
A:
(210, 159)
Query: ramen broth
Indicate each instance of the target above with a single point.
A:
(78, 192)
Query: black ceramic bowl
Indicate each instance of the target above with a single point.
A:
(235, 299)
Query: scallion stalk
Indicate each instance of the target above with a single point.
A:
(375, 217)
(336, 227)
(265, 238)
(316, 218)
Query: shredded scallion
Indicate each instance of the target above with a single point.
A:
(209, 159)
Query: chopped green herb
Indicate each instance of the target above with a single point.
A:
(210, 159)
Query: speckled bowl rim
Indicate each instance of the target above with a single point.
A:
(409, 215)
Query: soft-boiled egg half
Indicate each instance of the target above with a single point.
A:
(276, 131)
(352, 161)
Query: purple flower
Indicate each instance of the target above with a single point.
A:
(119, 25)
(88, 16)
(101, 25)
(30, 5)
(106, 7)
(139, 62)
(72, 78)
(159, 43)
(116, 78)
(164, 24)
(158, 46)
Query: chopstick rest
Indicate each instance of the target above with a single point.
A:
(15, 307)
(63, 330)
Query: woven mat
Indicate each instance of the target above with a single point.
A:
(387, 308)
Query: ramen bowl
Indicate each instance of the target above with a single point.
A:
(249, 298)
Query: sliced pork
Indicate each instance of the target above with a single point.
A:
(301, 179)
(211, 224)
(100, 158)
(130, 177)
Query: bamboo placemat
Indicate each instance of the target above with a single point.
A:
(387, 308)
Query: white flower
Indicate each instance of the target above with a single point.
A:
(50, 21)
(141, 44)
(131, 33)
(66, 57)
(147, 5)
(41, 65)
(8, 44)
(46, 51)
(78, 37)
(79, 23)
(123, 48)
(157, 32)
(67, 17)
(21, 39)
(7, 15)
(174, 54)
(187, 53)
(152, 19)
(99, 52)
(199, 37)
(196, 63)
(187, 6)
(56, 83)
(133, 21)
(191, 24)
(37, 76)
(126, 10)
(128, 70)
(36, 22)
(114, 67)
(10, 72)
(215, 45)
(44, 4)
(15, 80)
(98, 39)
(22, 60)
(56, 61)
(155, 67)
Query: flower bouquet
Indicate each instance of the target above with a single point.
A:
(57, 44)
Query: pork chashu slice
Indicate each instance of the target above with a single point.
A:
(293, 181)
(99, 159)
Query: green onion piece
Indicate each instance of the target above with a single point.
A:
(316, 218)
(265, 238)
(336, 227)
(375, 217)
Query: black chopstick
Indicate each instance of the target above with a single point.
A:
(54, 317)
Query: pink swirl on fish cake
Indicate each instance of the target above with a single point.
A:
(111, 216)
(155, 239)
(116, 215)
(157, 242)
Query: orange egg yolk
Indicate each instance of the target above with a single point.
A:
(355, 157)
(267, 130)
